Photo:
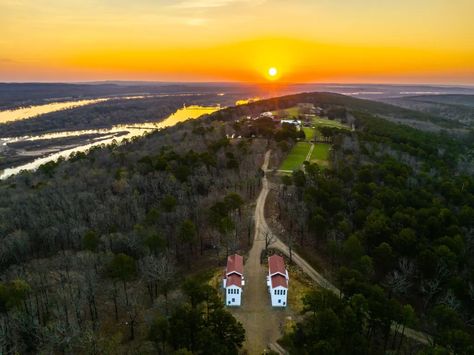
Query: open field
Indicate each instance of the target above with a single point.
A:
(292, 111)
(320, 151)
(309, 133)
(297, 156)
(320, 154)
(324, 122)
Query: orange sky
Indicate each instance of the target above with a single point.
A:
(413, 41)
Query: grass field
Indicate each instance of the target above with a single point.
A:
(320, 151)
(324, 122)
(292, 111)
(297, 156)
(320, 154)
(309, 133)
(318, 122)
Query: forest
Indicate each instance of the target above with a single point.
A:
(392, 223)
(108, 251)
(111, 251)
(107, 114)
(13, 95)
(458, 108)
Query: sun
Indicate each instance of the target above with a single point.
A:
(272, 72)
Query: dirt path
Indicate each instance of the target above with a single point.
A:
(260, 221)
(261, 321)
(308, 156)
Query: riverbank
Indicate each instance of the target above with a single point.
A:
(14, 157)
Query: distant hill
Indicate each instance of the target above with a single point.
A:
(457, 108)
(25, 94)
(417, 119)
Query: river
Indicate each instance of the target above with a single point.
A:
(117, 133)
(36, 110)
(22, 113)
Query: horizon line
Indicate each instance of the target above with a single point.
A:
(243, 83)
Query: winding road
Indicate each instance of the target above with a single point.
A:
(262, 322)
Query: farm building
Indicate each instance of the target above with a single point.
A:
(233, 280)
(277, 281)
(293, 122)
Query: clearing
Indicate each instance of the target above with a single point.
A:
(292, 112)
(297, 156)
(309, 133)
(320, 154)
(325, 122)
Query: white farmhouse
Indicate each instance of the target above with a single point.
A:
(233, 280)
(277, 281)
(296, 123)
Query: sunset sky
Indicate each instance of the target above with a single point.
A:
(400, 41)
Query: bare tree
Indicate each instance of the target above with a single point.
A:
(158, 274)
(269, 239)
(450, 300)
(430, 288)
(397, 282)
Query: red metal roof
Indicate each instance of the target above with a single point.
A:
(235, 263)
(276, 264)
(234, 279)
(278, 280)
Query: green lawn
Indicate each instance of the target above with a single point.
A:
(320, 154)
(292, 111)
(324, 122)
(318, 121)
(297, 156)
(309, 133)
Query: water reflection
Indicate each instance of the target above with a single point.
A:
(118, 133)
(32, 111)
(22, 113)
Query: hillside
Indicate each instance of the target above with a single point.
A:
(112, 251)
(394, 113)
(98, 246)
(457, 108)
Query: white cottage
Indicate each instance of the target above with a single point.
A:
(233, 280)
(277, 281)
